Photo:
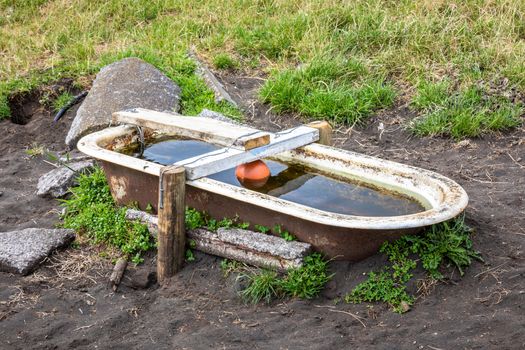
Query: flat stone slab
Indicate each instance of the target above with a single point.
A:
(57, 182)
(128, 83)
(22, 250)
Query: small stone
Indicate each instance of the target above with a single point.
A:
(22, 251)
(1, 193)
(57, 182)
(128, 83)
(404, 306)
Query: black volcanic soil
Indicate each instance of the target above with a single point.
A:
(67, 303)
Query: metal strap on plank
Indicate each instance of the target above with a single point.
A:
(226, 158)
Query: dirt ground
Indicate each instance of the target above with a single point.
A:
(68, 304)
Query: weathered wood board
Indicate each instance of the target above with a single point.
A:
(226, 158)
(206, 129)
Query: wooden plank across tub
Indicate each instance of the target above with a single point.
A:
(244, 144)
(228, 157)
(205, 129)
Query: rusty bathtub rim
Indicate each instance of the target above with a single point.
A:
(444, 198)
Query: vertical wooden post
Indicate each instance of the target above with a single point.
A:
(171, 214)
(325, 131)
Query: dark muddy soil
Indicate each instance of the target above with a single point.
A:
(67, 303)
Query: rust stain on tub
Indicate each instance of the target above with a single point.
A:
(119, 186)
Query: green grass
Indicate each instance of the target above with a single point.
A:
(225, 61)
(336, 89)
(470, 112)
(446, 245)
(305, 282)
(397, 44)
(264, 285)
(92, 212)
(61, 101)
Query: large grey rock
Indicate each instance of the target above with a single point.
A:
(128, 83)
(56, 183)
(21, 251)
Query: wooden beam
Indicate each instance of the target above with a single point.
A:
(253, 248)
(226, 158)
(200, 128)
(325, 131)
(171, 214)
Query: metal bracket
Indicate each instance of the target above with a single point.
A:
(161, 190)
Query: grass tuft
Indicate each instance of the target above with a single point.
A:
(264, 286)
(305, 282)
(469, 112)
(225, 61)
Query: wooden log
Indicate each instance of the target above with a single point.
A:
(250, 247)
(171, 234)
(201, 128)
(253, 248)
(118, 272)
(209, 78)
(325, 131)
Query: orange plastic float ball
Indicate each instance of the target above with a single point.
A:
(253, 175)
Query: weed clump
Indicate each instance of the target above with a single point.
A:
(91, 211)
(305, 282)
(224, 61)
(195, 219)
(443, 245)
(265, 285)
(469, 112)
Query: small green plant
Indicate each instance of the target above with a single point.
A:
(262, 229)
(91, 211)
(305, 282)
(443, 245)
(189, 255)
(5, 110)
(381, 286)
(213, 224)
(224, 61)
(228, 266)
(189, 252)
(287, 236)
(194, 219)
(446, 244)
(62, 100)
(35, 150)
(265, 286)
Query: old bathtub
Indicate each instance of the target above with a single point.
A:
(343, 237)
